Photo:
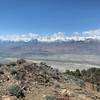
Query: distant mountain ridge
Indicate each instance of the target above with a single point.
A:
(27, 45)
(59, 36)
(54, 38)
(35, 47)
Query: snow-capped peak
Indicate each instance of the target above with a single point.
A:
(94, 34)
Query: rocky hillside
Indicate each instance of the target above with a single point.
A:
(25, 80)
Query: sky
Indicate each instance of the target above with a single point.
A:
(48, 16)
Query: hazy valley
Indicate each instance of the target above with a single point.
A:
(63, 55)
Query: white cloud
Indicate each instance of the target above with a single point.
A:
(94, 34)
(91, 33)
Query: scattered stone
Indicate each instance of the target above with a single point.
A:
(9, 97)
(91, 86)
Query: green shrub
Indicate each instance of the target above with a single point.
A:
(1, 65)
(16, 90)
(91, 75)
(1, 72)
(12, 63)
(50, 98)
(21, 61)
(13, 72)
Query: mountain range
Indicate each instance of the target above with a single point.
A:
(35, 47)
(47, 38)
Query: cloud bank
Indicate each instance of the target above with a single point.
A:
(60, 36)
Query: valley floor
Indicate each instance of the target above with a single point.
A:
(62, 61)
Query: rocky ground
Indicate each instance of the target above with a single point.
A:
(24, 80)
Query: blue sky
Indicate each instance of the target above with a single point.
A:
(48, 16)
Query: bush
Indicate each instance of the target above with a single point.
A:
(12, 63)
(16, 90)
(1, 65)
(13, 72)
(91, 75)
(50, 98)
(21, 61)
(1, 72)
